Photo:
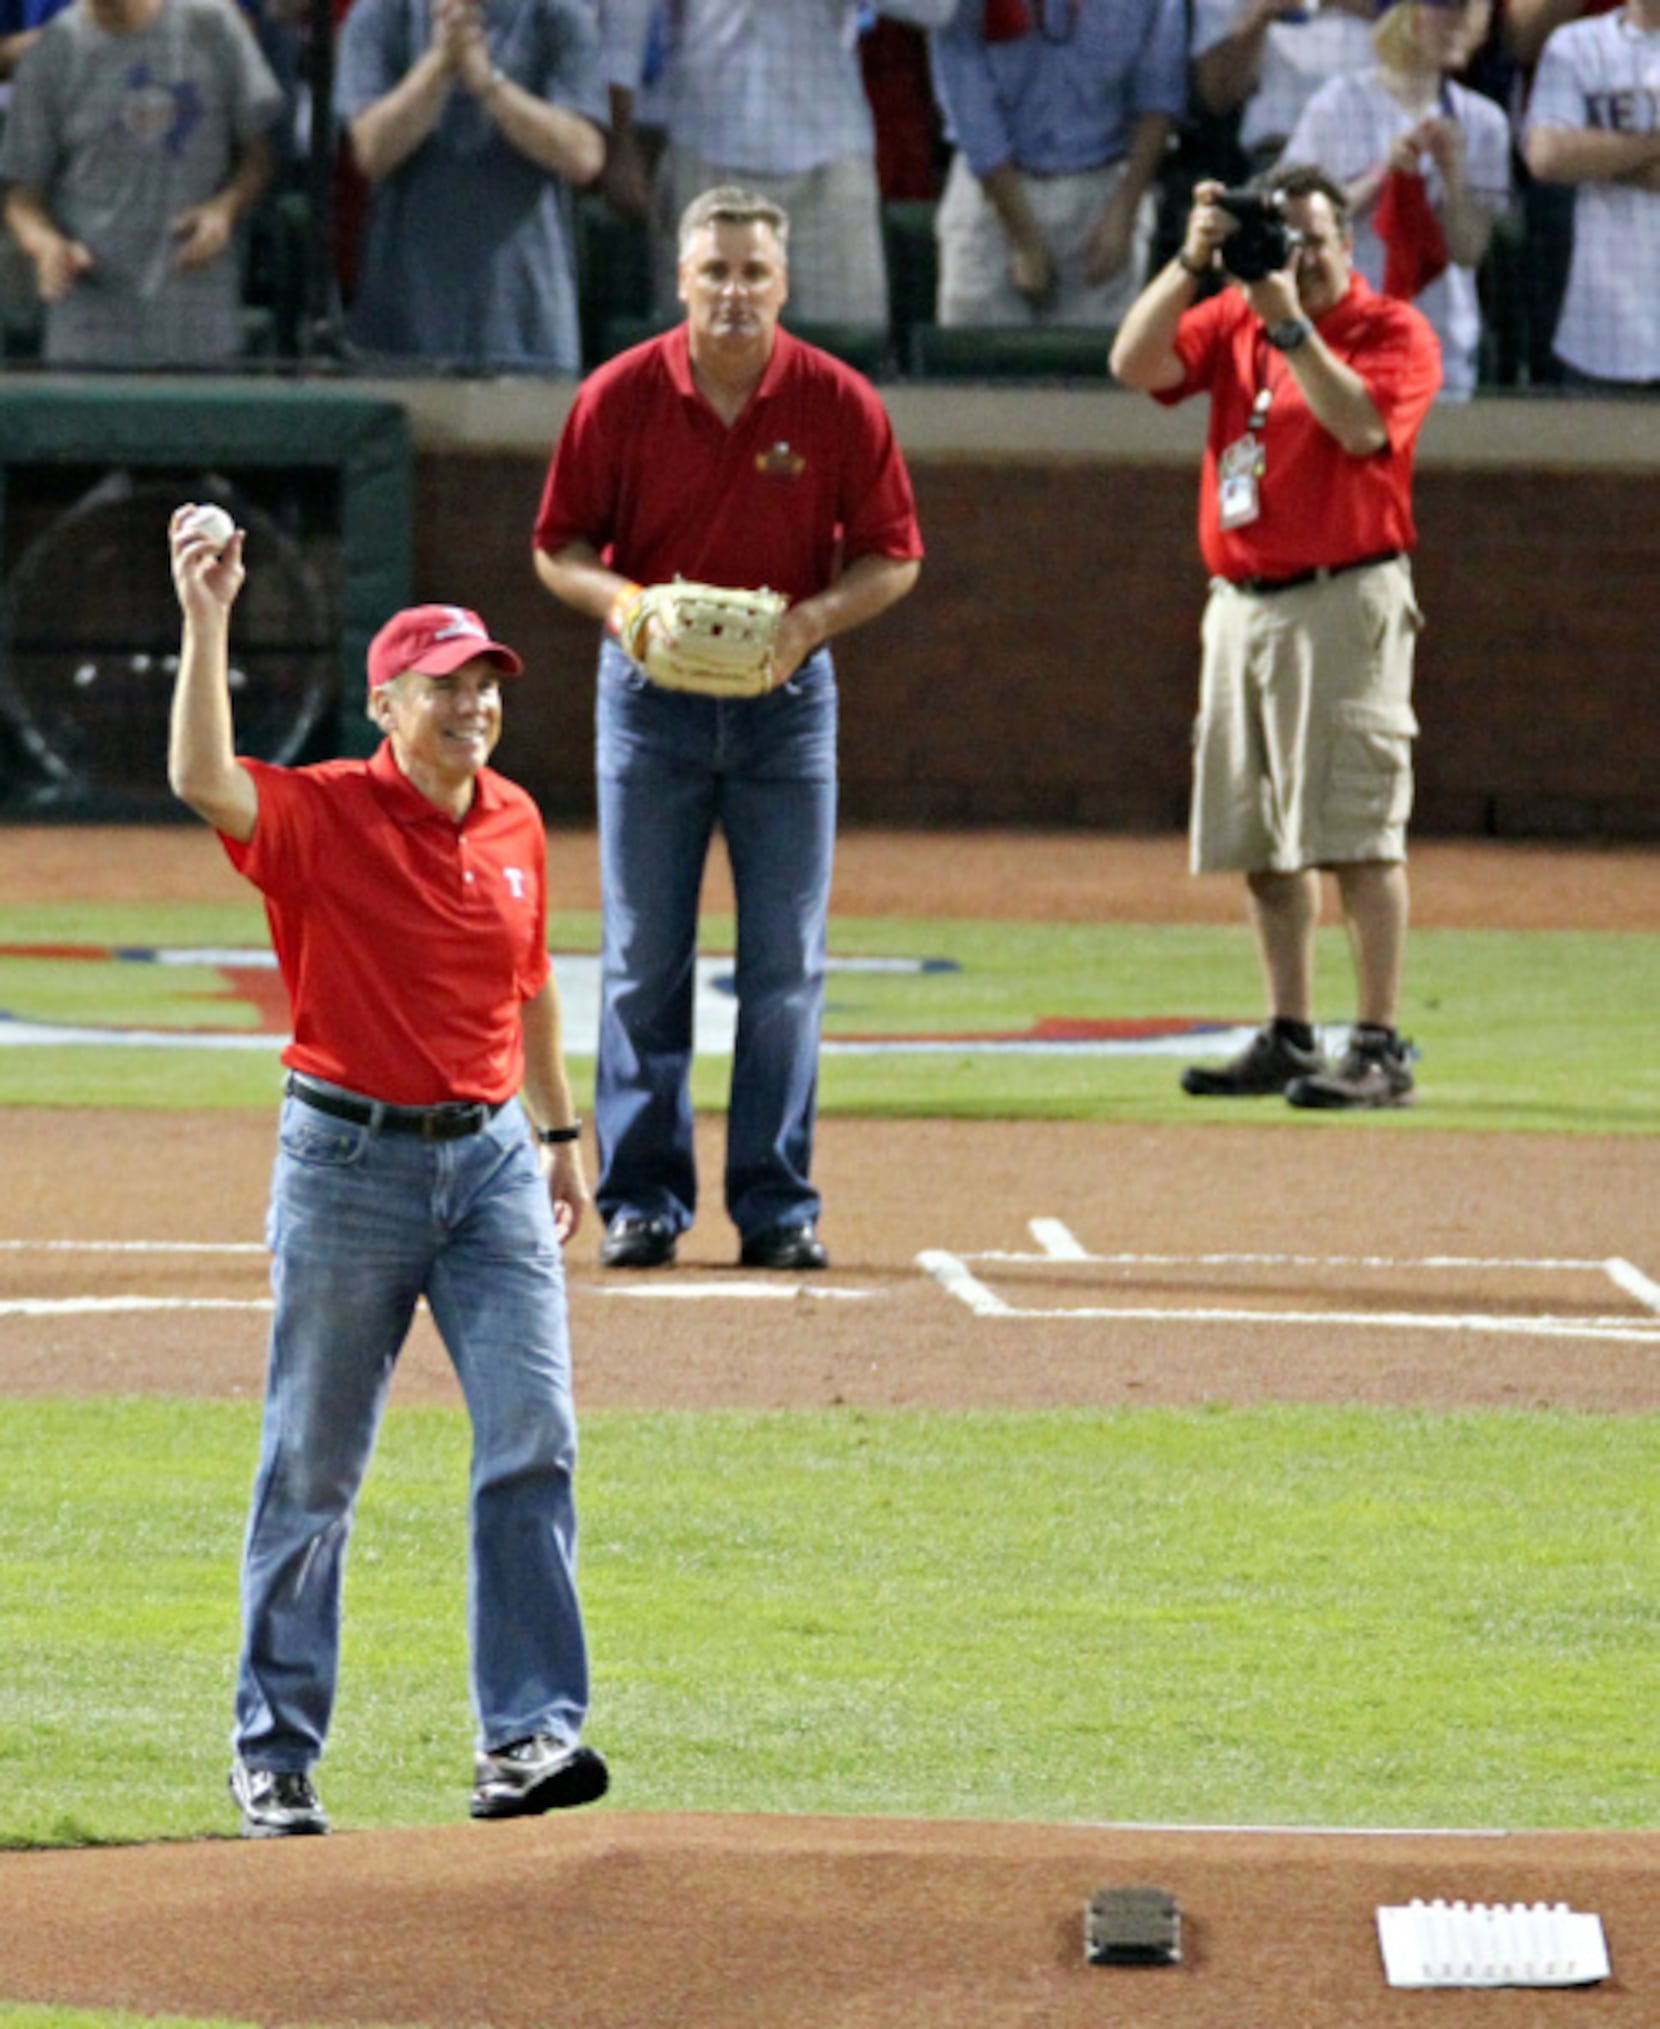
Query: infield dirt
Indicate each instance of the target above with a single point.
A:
(615, 1919)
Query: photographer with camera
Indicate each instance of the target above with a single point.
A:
(1318, 388)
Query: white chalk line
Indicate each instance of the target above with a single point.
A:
(1634, 1282)
(1058, 1243)
(75, 1306)
(115, 1306)
(741, 1292)
(1298, 1831)
(112, 1306)
(954, 1275)
(133, 1246)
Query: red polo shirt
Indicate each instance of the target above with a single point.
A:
(1320, 504)
(408, 942)
(807, 480)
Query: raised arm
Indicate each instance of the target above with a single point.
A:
(562, 142)
(1338, 398)
(386, 133)
(1226, 74)
(1144, 354)
(202, 768)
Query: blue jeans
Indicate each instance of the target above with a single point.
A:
(361, 1225)
(671, 767)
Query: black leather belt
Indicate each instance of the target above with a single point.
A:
(449, 1122)
(1316, 576)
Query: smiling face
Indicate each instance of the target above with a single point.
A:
(443, 728)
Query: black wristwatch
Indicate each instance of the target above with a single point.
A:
(1288, 336)
(551, 1137)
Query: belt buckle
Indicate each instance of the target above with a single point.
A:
(450, 1122)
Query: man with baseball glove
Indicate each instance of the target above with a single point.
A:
(716, 640)
(725, 499)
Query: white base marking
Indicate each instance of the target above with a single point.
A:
(1634, 1282)
(1057, 1241)
(1060, 1245)
(954, 1276)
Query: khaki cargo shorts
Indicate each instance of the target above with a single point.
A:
(1302, 749)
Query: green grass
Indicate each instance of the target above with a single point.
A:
(1274, 1616)
(1537, 1031)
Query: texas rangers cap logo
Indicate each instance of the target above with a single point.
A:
(460, 622)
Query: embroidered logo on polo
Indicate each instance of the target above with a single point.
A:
(778, 461)
(515, 879)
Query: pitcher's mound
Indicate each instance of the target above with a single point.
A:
(611, 1920)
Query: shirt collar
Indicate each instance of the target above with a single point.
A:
(678, 355)
(405, 802)
(1348, 305)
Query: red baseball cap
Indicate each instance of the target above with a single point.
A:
(435, 640)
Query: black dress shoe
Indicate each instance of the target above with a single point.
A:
(792, 1247)
(634, 1241)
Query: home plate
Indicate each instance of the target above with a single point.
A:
(763, 1292)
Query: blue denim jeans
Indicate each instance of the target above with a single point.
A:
(671, 767)
(361, 1225)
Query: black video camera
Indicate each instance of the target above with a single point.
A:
(1264, 242)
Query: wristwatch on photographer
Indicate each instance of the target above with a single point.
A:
(1288, 336)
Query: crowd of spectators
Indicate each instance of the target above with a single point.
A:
(489, 158)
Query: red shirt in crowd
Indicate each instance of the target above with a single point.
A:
(408, 943)
(809, 479)
(1319, 503)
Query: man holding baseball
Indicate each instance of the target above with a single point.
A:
(406, 897)
(729, 453)
(1318, 388)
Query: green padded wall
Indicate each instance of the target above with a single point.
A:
(322, 479)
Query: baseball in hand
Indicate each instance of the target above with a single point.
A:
(211, 521)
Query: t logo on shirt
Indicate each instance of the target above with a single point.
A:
(515, 879)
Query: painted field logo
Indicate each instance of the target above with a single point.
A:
(243, 1006)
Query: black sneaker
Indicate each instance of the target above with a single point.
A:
(634, 1241)
(277, 1803)
(1375, 1070)
(1267, 1064)
(536, 1775)
(790, 1247)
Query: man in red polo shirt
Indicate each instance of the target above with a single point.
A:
(729, 452)
(407, 905)
(1303, 751)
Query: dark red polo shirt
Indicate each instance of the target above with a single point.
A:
(809, 479)
(408, 942)
(1320, 504)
